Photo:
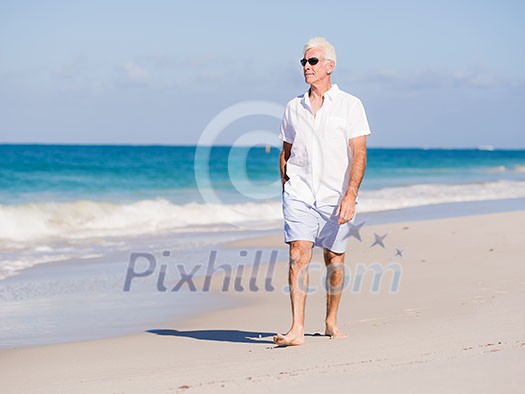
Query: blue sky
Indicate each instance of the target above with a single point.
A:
(431, 74)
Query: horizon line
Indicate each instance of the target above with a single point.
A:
(428, 147)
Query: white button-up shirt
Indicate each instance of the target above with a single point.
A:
(320, 159)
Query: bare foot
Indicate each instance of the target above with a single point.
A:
(290, 339)
(334, 332)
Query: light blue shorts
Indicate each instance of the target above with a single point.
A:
(305, 222)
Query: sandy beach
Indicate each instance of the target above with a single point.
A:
(455, 324)
(153, 155)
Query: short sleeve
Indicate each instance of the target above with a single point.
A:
(357, 122)
(287, 133)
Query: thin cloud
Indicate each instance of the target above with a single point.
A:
(135, 73)
(169, 62)
(474, 77)
(201, 69)
(71, 69)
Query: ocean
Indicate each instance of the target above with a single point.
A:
(56, 196)
(70, 215)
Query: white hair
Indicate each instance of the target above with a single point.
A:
(321, 42)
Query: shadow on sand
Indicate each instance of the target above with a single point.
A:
(218, 335)
(235, 336)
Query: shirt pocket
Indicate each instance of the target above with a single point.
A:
(336, 130)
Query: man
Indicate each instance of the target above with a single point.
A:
(322, 164)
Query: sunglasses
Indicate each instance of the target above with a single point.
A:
(311, 61)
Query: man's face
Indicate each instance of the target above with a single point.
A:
(321, 70)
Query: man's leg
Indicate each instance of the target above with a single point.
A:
(300, 256)
(334, 284)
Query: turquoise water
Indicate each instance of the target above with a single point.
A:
(387, 167)
(44, 173)
(59, 202)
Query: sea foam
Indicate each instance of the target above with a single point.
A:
(22, 223)
(91, 219)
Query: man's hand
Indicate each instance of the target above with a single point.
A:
(283, 158)
(346, 209)
(284, 180)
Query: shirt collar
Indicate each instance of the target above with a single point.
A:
(330, 93)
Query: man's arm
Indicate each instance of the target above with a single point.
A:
(346, 207)
(285, 155)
